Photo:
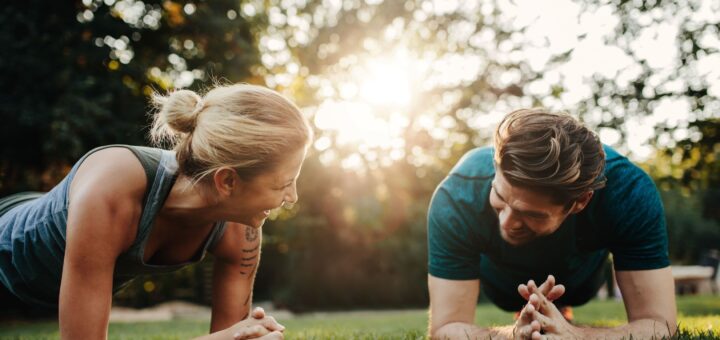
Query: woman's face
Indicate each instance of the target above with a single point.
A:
(252, 202)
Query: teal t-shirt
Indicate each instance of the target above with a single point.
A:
(625, 218)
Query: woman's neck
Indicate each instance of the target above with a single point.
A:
(190, 203)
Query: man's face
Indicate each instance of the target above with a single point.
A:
(525, 215)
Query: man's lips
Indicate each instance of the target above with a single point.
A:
(515, 233)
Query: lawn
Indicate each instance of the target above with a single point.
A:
(699, 318)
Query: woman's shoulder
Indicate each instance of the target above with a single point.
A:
(113, 171)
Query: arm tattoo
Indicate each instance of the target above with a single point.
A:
(251, 250)
(251, 234)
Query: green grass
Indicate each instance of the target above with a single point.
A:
(699, 318)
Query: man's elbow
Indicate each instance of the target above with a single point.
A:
(668, 325)
(444, 331)
(661, 326)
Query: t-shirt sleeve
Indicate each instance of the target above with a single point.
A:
(453, 247)
(639, 239)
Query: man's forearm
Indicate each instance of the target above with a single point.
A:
(639, 329)
(460, 330)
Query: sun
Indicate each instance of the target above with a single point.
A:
(387, 82)
(369, 110)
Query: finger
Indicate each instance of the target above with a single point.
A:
(537, 336)
(535, 325)
(532, 287)
(258, 313)
(546, 307)
(251, 332)
(523, 332)
(534, 300)
(555, 293)
(547, 324)
(273, 336)
(523, 291)
(527, 313)
(270, 323)
(547, 285)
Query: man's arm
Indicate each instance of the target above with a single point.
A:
(237, 255)
(452, 311)
(649, 297)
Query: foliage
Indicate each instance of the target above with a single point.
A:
(77, 75)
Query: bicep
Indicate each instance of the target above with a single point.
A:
(648, 294)
(452, 301)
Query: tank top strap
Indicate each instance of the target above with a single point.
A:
(164, 178)
(217, 233)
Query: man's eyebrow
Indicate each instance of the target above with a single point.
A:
(531, 213)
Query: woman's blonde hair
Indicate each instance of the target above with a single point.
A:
(245, 127)
(549, 152)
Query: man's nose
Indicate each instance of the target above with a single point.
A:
(509, 220)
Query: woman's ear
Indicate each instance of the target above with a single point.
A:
(226, 181)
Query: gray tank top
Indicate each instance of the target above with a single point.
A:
(33, 231)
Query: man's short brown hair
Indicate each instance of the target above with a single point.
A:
(549, 152)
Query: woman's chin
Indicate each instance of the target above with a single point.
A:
(255, 221)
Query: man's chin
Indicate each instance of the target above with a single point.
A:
(515, 242)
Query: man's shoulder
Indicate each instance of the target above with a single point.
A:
(621, 173)
(475, 164)
(467, 185)
(629, 190)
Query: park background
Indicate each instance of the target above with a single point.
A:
(396, 91)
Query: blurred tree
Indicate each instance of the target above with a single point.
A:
(689, 178)
(77, 75)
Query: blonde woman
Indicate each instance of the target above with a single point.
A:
(125, 210)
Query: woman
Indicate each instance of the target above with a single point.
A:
(123, 211)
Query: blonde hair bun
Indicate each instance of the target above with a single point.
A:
(177, 111)
(246, 127)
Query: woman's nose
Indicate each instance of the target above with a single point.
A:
(291, 196)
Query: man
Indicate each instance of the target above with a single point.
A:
(549, 198)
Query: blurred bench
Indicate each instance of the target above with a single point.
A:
(693, 279)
